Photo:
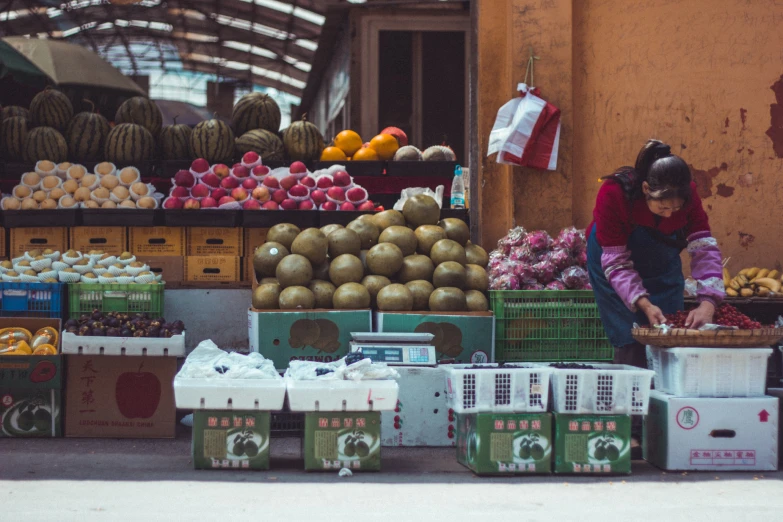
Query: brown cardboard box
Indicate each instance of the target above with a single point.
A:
(215, 269)
(254, 238)
(157, 241)
(247, 270)
(112, 240)
(3, 249)
(214, 241)
(172, 267)
(120, 396)
(26, 239)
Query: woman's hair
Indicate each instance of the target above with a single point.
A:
(667, 174)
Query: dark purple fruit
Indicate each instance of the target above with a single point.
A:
(139, 333)
(72, 329)
(179, 325)
(84, 330)
(97, 315)
(176, 331)
(125, 332)
(154, 331)
(71, 323)
(165, 333)
(112, 332)
(98, 332)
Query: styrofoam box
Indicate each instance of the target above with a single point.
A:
(224, 394)
(606, 389)
(152, 346)
(492, 389)
(334, 395)
(710, 372)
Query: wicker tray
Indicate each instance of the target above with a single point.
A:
(680, 337)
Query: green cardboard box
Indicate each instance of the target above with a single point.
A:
(592, 444)
(336, 440)
(231, 439)
(30, 396)
(314, 335)
(505, 443)
(465, 337)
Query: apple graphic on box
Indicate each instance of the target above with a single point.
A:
(43, 371)
(137, 394)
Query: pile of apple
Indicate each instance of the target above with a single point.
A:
(249, 185)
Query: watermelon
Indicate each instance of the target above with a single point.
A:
(212, 140)
(45, 143)
(86, 135)
(303, 141)
(174, 141)
(266, 144)
(255, 111)
(51, 108)
(14, 137)
(141, 111)
(129, 144)
(14, 110)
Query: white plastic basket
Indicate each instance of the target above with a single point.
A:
(710, 372)
(516, 388)
(225, 394)
(133, 346)
(605, 389)
(334, 395)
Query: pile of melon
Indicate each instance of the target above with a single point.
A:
(389, 261)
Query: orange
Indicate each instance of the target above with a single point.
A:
(348, 141)
(385, 145)
(332, 154)
(366, 154)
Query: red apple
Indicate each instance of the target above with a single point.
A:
(249, 184)
(341, 178)
(270, 205)
(356, 194)
(260, 170)
(235, 165)
(297, 167)
(287, 182)
(191, 204)
(219, 193)
(250, 158)
(229, 183)
(329, 206)
(241, 171)
(298, 191)
(279, 196)
(306, 205)
(289, 204)
(367, 206)
(137, 394)
(211, 180)
(324, 182)
(347, 206)
(226, 200)
(199, 166)
(318, 196)
(221, 170)
(172, 203)
(307, 181)
(183, 178)
(200, 191)
(209, 203)
(271, 182)
(251, 204)
(402, 138)
(336, 193)
(239, 194)
(261, 194)
(180, 192)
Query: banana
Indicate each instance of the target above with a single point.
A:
(743, 280)
(726, 277)
(752, 272)
(761, 275)
(774, 275)
(731, 292)
(762, 291)
(744, 271)
(746, 292)
(734, 284)
(770, 284)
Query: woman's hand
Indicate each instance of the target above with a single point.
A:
(700, 316)
(653, 313)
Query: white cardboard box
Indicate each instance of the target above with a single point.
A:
(711, 433)
(73, 344)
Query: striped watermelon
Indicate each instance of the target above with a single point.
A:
(14, 110)
(51, 108)
(45, 143)
(174, 141)
(129, 144)
(266, 144)
(14, 136)
(141, 111)
(303, 141)
(86, 135)
(255, 111)
(212, 140)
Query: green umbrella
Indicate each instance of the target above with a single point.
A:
(14, 65)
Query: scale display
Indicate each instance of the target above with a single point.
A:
(411, 355)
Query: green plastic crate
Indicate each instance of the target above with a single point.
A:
(548, 326)
(84, 298)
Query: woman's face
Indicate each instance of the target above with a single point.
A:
(662, 207)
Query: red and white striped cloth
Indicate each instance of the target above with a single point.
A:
(526, 131)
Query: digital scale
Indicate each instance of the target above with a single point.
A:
(396, 349)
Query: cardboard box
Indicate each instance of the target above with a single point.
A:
(112, 240)
(505, 443)
(247, 270)
(215, 269)
(120, 396)
(254, 238)
(466, 337)
(778, 392)
(26, 239)
(30, 388)
(214, 241)
(157, 241)
(314, 335)
(739, 433)
(336, 440)
(172, 267)
(231, 439)
(592, 444)
(3, 247)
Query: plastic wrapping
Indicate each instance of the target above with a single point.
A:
(556, 285)
(358, 370)
(505, 282)
(524, 254)
(544, 271)
(571, 239)
(561, 258)
(538, 240)
(208, 361)
(575, 278)
(515, 237)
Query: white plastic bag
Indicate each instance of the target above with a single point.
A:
(415, 191)
(210, 362)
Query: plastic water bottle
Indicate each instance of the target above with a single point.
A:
(457, 189)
